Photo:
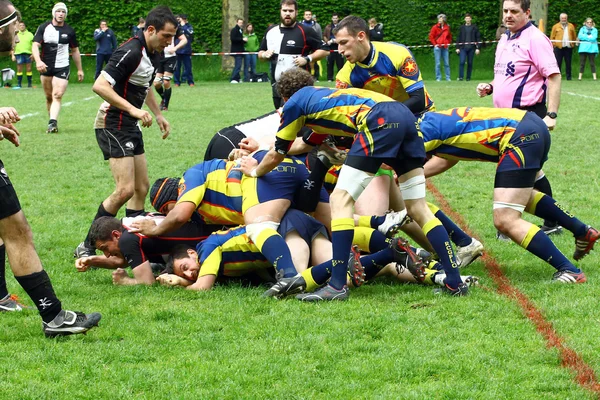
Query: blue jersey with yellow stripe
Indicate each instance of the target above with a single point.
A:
(215, 190)
(229, 253)
(392, 71)
(467, 133)
(338, 112)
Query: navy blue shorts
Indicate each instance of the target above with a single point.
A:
(307, 227)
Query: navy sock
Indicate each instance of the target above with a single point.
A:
(276, 251)
(373, 263)
(341, 237)
(539, 244)
(456, 234)
(322, 272)
(378, 242)
(438, 237)
(543, 185)
(376, 221)
(3, 289)
(549, 209)
(39, 288)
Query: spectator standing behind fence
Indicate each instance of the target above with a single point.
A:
(22, 54)
(237, 46)
(184, 54)
(468, 46)
(308, 22)
(440, 37)
(334, 57)
(139, 27)
(375, 31)
(563, 39)
(501, 29)
(106, 43)
(251, 45)
(588, 46)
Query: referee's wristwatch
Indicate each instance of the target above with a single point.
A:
(552, 115)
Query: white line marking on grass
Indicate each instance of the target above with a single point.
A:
(583, 95)
(70, 103)
(29, 115)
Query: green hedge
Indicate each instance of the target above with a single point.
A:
(407, 21)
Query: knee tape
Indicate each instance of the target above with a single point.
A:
(352, 180)
(517, 207)
(158, 79)
(254, 230)
(414, 188)
(167, 78)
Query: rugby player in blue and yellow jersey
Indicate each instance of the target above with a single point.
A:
(384, 132)
(519, 142)
(386, 68)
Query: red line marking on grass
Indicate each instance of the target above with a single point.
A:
(584, 374)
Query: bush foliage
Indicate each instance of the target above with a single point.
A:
(407, 22)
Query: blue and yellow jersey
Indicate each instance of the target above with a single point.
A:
(469, 133)
(338, 112)
(230, 253)
(392, 71)
(215, 190)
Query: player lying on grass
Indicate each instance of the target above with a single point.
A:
(144, 255)
(384, 132)
(222, 195)
(518, 141)
(231, 254)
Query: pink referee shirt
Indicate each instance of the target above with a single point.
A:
(523, 63)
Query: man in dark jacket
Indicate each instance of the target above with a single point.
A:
(106, 43)
(375, 31)
(468, 46)
(334, 57)
(184, 54)
(237, 46)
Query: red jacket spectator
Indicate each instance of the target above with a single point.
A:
(440, 34)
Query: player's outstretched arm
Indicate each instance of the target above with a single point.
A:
(142, 275)
(205, 282)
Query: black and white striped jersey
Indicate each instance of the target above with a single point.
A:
(289, 43)
(55, 41)
(130, 71)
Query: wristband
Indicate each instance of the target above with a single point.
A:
(253, 173)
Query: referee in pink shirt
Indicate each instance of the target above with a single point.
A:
(525, 70)
(526, 76)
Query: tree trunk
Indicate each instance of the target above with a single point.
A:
(539, 13)
(232, 10)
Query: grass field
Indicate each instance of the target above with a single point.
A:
(388, 341)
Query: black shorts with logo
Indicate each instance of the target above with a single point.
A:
(119, 144)
(167, 65)
(9, 202)
(62, 73)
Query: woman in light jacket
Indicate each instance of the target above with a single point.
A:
(588, 46)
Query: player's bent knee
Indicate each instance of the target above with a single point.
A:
(413, 188)
(505, 214)
(254, 230)
(353, 181)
